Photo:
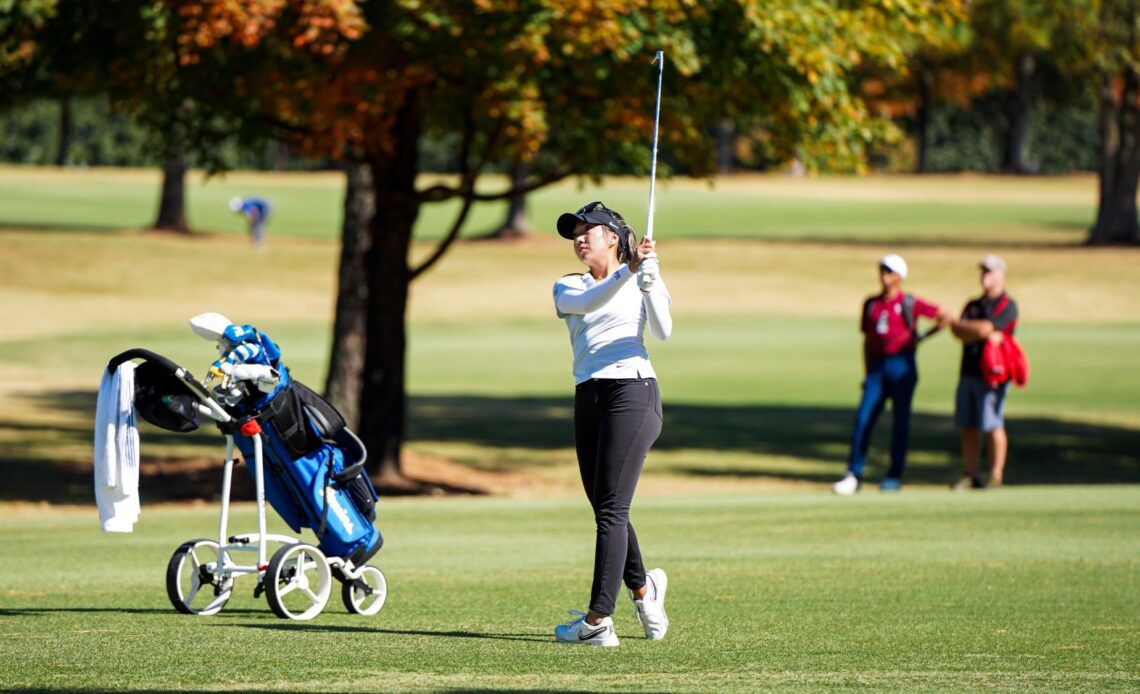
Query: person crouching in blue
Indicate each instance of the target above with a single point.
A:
(890, 338)
(256, 212)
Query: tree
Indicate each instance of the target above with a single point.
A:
(94, 47)
(172, 201)
(1117, 67)
(563, 87)
(1009, 38)
(516, 224)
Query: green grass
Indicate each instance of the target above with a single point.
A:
(1046, 211)
(1033, 588)
(775, 584)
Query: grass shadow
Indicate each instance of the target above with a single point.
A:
(801, 443)
(34, 611)
(1043, 450)
(317, 628)
(72, 228)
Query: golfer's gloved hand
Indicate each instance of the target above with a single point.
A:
(648, 272)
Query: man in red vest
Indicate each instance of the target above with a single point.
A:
(980, 408)
(890, 336)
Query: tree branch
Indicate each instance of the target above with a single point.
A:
(439, 193)
(466, 188)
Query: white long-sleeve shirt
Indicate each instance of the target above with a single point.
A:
(607, 321)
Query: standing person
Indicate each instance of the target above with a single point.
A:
(978, 408)
(890, 337)
(255, 211)
(617, 407)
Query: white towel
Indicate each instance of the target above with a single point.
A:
(117, 451)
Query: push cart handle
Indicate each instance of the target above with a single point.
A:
(193, 386)
(139, 353)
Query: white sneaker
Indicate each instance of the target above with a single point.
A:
(846, 486)
(578, 631)
(651, 609)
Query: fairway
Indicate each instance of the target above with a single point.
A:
(1030, 588)
(775, 584)
(945, 210)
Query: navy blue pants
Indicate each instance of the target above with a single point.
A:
(615, 423)
(888, 378)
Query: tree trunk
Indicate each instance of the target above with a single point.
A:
(922, 118)
(172, 207)
(1116, 221)
(383, 399)
(346, 362)
(516, 224)
(1021, 106)
(64, 131)
(281, 155)
(725, 131)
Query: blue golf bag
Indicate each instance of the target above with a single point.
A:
(314, 465)
(314, 471)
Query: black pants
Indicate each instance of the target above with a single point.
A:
(615, 423)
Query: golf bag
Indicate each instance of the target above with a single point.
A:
(314, 470)
(314, 465)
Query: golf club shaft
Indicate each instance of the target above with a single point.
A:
(660, 60)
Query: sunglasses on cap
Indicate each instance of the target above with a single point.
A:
(592, 214)
(598, 206)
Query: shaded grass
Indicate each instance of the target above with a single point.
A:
(1029, 588)
(785, 416)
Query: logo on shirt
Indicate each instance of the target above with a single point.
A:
(882, 325)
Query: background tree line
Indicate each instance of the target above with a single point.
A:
(972, 136)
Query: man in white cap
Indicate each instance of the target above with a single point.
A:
(890, 337)
(979, 408)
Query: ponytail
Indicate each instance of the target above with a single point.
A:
(627, 240)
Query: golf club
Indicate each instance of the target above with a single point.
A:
(660, 60)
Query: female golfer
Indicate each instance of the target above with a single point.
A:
(617, 407)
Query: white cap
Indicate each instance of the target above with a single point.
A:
(209, 325)
(895, 264)
(993, 262)
(235, 204)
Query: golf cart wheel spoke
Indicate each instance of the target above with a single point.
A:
(287, 588)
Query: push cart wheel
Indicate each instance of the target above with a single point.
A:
(298, 582)
(191, 584)
(366, 594)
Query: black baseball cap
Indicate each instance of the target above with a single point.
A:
(593, 213)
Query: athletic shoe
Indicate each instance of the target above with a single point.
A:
(650, 610)
(890, 484)
(967, 482)
(578, 631)
(846, 486)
